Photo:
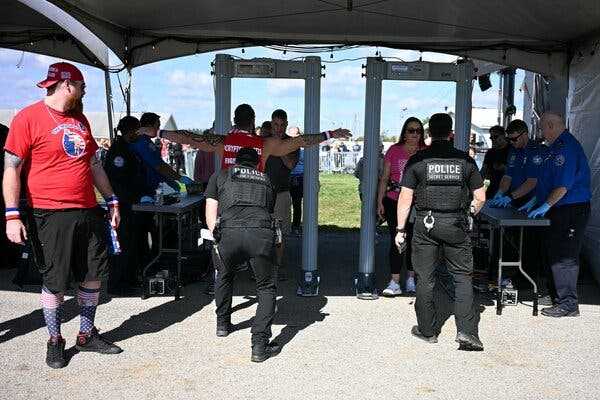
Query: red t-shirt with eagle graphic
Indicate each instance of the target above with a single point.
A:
(56, 149)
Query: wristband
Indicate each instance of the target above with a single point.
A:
(12, 213)
(112, 201)
(401, 230)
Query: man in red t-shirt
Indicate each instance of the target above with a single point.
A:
(50, 145)
(242, 135)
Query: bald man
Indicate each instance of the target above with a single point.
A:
(563, 195)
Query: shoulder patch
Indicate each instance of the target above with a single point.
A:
(119, 161)
(537, 160)
(559, 160)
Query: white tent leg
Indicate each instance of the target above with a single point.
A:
(222, 77)
(365, 280)
(309, 281)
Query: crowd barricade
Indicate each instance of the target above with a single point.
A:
(339, 162)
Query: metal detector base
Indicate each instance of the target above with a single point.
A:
(365, 287)
(308, 285)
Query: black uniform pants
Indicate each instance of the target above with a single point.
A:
(447, 243)
(397, 260)
(564, 240)
(296, 191)
(237, 246)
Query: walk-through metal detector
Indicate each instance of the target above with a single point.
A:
(226, 68)
(378, 70)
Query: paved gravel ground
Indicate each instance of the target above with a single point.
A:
(334, 346)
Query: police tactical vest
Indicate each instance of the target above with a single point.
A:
(444, 187)
(245, 187)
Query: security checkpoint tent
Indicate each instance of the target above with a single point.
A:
(538, 35)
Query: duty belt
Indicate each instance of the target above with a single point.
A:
(249, 224)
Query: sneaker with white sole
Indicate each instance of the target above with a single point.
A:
(392, 290)
(410, 285)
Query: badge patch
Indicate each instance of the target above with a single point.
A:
(559, 160)
(119, 162)
(537, 160)
(73, 143)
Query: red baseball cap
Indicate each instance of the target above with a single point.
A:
(60, 72)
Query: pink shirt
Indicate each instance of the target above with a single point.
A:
(397, 157)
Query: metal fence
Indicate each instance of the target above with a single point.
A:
(339, 162)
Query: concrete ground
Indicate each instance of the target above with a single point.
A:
(334, 346)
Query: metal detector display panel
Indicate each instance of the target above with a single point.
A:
(254, 69)
(408, 71)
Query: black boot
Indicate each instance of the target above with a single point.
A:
(224, 329)
(468, 342)
(417, 333)
(55, 353)
(95, 342)
(262, 351)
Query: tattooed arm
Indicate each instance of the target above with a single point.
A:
(277, 147)
(11, 188)
(207, 142)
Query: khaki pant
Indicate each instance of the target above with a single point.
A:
(282, 211)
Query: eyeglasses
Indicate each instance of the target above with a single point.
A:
(515, 138)
(414, 130)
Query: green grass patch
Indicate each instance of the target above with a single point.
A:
(339, 204)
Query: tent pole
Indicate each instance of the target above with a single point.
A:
(109, 109)
(128, 92)
(463, 106)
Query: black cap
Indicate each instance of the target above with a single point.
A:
(247, 156)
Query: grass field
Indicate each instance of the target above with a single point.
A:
(339, 204)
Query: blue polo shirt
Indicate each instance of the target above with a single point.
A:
(150, 156)
(564, 164)
(520, 165)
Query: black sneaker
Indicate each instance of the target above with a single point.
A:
(55, 353)
(417, 333)
(95, 342)
(545, 301)
(224, 330)
(468, 342)
(558, 311)
(262, 351)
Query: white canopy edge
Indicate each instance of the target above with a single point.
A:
(71, 25)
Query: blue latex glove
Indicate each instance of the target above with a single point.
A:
(186, 180)
(540, 211)
(529, 205)
(496, 196)
(146, 199)
(501, 202)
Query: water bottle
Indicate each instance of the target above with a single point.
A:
(159, 199)
(115, 246)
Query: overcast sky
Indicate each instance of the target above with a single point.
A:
(184, 88)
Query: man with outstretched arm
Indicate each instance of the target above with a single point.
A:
(242, 135)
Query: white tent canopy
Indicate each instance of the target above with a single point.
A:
(39, 27)
(534, 35)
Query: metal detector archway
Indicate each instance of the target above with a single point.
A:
(226, 68)
(378, 70)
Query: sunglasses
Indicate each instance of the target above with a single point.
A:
(515, 138)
